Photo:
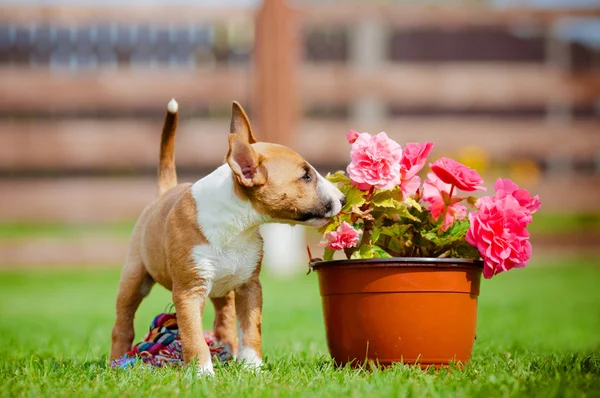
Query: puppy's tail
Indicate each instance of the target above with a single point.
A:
(167, 175)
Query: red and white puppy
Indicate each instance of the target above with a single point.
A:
(202, 240)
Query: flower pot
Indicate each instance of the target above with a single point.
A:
(412, 310)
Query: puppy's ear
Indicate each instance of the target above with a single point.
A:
(240, 124)
(245, 163)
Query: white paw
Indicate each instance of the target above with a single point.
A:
(249, 358)
(205, 370)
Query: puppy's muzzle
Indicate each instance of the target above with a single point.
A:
(334, 206)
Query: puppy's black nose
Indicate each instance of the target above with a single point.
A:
(343, 201)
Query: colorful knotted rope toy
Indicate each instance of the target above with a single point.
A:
(162, 346)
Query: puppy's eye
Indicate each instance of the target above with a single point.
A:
(307, 176)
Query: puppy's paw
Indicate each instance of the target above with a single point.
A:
(205, 370)
(250, 359)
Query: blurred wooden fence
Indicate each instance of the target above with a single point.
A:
(280, 86)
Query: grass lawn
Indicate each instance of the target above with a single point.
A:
(538, 335)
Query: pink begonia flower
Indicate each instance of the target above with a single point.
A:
(375, 162)
(344, 236)
(351, 136)
(414, 157)
(409, 187)
(499, 228)
(459, 175)
(506, 187)
(432, 193)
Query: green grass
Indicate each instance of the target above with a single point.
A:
(547, 223)
(24, 230)
(538, 335)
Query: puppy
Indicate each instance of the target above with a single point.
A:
(202, 240)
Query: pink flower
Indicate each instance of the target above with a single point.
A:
(499, 228)
(459, 175)
(351, 136)
(414, 157)
(506, 187)
(375, 162)
(409, 187)
(434, 191)
(344, 236)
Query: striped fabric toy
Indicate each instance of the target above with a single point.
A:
(162, 346)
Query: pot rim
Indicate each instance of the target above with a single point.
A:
(421, 262)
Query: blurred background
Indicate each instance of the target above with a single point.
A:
(509, 87)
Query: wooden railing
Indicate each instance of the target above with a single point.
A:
(38, 90)
(84, 145)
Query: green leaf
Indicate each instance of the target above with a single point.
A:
(354, 197)
(410, 202)
(395, 230)
(386, 199)
(338, 177)
(390, 203)
(378, 252)
(396, 245)
(332, 226)
(434, 238)
(375, 233)
(365, 251)
(328, 254)
(400, 211)
(456, 232)
(465, 250)
(458, 229)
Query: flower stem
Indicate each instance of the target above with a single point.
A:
(447, 204)
(370, 193)
(369, 225)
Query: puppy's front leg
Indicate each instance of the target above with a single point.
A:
(189, 321)
(248, 306)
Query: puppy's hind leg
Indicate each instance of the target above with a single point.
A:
(135, 284)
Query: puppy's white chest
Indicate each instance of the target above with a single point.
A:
(226, 267)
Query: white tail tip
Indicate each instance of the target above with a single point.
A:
(173, 106)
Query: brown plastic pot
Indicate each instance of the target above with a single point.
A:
(412, 310)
